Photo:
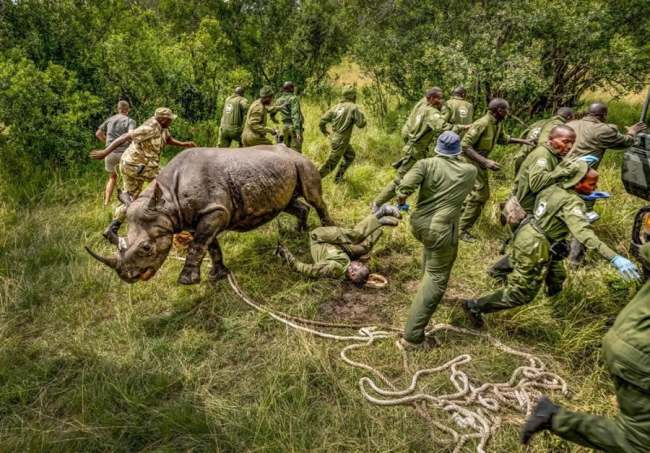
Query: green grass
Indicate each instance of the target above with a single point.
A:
(88, 363)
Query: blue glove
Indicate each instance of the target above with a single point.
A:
(626, 268)
(404, 207)
(593, 196)
(591, 160)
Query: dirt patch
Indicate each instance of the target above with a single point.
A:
(355, 305)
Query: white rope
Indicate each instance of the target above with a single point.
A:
(474, 409)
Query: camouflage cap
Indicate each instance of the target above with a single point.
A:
(349, 92)
(164, 112)
(580, 169)
(266, 91)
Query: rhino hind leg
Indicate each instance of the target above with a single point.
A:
(205, 234)
(219, 270)
(300, 209)
(311, 190)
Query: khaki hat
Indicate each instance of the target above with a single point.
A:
(376, 281)
(164, 112)
(266, 91)
(580, 169)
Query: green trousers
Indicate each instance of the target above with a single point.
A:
(341, 151)
(533, 265)
(289, 137)
(250, 138)
(475, 201)
(627, 432)
(411, 155)
(227, 136)
(440, 243)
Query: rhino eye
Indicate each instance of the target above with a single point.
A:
(145, 249)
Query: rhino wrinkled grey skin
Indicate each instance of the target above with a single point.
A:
(207, 191)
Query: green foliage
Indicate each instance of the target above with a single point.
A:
(538, 54)
(88, 363)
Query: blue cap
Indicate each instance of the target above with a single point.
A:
(448, 144)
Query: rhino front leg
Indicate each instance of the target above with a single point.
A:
(206, 232)
(219, 270)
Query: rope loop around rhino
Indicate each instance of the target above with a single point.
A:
(473, 409)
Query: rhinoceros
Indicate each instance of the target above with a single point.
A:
(207, 191)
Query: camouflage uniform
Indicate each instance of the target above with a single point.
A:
(483, 135)
(333, 248)
(443, 183)
(538, 132)
(626, 353)
(343, 117)
(232, 120)
(140, 162)
(292, 119)
(535, 252)
(427, 125)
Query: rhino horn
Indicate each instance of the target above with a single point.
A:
(109, 261)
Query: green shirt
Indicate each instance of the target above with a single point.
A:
(459, 111)
(484, 134)
(234, 113)
(256, 119)
(535, 174)
(343, 117)
(443, 183)
(411, 118)
(427, 125)
(560, 212)
(288, 105)
(595, 137)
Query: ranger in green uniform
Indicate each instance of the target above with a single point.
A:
(540, 245)
(477, 143)
(255, 129)
(343, 117)
(442, 182)
(539, 131)
(457, 110)
(593, 137)
(291, 116)
(626, 353)
(232, 119)
(336, 251)
(429, 123)
(540, 169)
(410, 121)
(140, 162)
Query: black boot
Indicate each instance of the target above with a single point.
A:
(110, 233)
(473, 313)
(540, 419)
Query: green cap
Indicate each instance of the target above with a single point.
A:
(580, 169)
(349, 92)
(164, 112)
(266, 91)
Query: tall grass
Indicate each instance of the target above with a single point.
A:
(88, 363)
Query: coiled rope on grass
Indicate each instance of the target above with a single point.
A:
(472, 408)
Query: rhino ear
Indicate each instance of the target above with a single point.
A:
(156, 197)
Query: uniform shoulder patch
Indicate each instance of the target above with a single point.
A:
(578, 211)
(541, 162)
(541, 209)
